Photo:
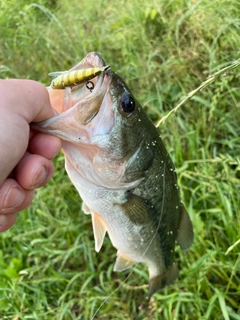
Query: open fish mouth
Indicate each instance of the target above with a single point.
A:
(85, 96)
(78, 104)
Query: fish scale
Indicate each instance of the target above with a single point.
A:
(119, 165)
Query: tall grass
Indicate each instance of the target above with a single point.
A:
(163, 49)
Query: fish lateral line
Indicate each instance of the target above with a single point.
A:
(75, 77)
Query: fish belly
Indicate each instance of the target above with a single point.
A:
(137, 243)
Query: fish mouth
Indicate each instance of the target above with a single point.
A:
(92, 59)
(78, 105)
(81, 96)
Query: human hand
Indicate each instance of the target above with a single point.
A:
(24, 154)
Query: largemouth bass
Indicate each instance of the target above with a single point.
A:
(116, 159)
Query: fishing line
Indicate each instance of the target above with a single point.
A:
(154, 235)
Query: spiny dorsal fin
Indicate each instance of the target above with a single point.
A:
(185, 232)
(99, 230)
(164, 279)
(122, 262)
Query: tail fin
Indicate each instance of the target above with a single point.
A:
(164, 279)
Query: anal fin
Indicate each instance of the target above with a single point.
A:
(122, 262)
(158, 282)
(99, 230)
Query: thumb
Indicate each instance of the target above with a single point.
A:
(22, 101)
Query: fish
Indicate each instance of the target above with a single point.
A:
(117, 161)
(74, 77)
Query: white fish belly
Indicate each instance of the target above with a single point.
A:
(128, 238)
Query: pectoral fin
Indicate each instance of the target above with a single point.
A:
(99, 230)
(185, 233)
(136, 209)
(164, 279)
(122, 262)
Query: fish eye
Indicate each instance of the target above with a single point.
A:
(127, 103)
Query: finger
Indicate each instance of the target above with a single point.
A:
(22, 101)
(44, 145)
(33, 102)
(33, 171)
(13, 142)
(7, 221)
(13, 198)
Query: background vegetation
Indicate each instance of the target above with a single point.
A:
(163, 49)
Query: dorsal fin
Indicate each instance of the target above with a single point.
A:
(185, 232)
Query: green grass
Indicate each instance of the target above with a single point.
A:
(163, 49)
